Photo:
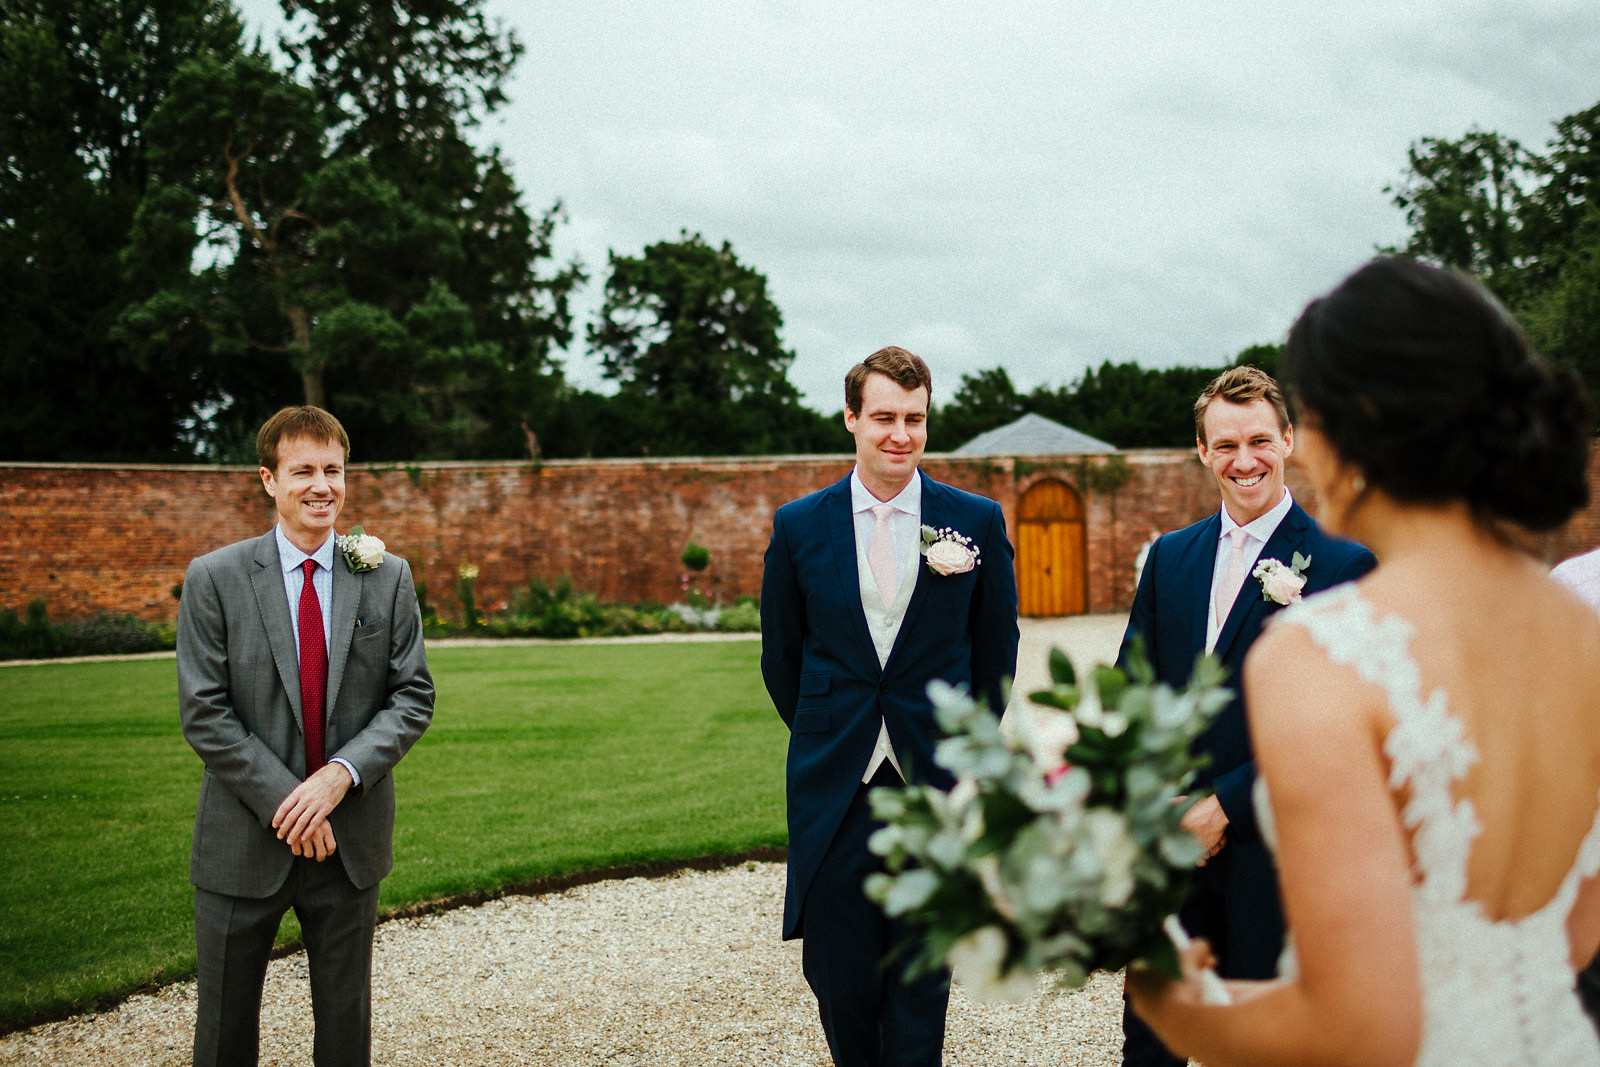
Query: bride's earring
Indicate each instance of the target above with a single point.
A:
(1359, 484)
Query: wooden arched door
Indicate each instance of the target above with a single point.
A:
(1051, 558)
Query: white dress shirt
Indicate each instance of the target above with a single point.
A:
(294, 580)
(1258, 532)
(905, 529)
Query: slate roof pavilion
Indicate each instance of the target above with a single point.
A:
(1033, 435)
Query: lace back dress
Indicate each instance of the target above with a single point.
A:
(1494, 993)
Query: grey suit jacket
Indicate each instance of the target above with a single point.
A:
(239, 698)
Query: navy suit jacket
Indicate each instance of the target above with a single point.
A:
(822, 671)
(1169, 610)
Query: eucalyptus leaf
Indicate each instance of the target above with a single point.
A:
(1061, 671)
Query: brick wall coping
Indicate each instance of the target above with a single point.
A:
(1147, 455)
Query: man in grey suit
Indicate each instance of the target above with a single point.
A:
(301, 683)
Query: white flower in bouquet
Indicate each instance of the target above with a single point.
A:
(1061, 849)
(976, 959)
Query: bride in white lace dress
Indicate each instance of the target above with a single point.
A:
(1429, 736)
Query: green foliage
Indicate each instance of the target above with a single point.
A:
(1104, 474)
(691, 337)
(586, 424)
(695, 556)
(467, 594)
(1060, 847)
(323, 233)
(81, 79)
(689, 320)
(562, 611)
(743, 617)
(983, 402)
(34, 636)
(1122, 403)
(1527, 224)
(516, 780)
(1464, 200)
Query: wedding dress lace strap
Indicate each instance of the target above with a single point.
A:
(1428, 748)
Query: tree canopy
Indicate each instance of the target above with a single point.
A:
(81, 80)
(690, 335)
(1526, 223)
(199, 232)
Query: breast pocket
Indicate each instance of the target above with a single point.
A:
(371, 629)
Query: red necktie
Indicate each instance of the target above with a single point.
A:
(313, 669)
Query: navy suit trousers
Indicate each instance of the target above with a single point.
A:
(1243, 929)
(872, 1017)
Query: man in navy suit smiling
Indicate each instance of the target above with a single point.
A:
(855, 622)
(1197, 594)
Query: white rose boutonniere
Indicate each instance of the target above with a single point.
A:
(948, 552)
(1281, 584)
(361, 552)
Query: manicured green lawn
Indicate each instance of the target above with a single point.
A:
(541, 760)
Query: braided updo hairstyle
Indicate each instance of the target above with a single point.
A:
(1420, 379)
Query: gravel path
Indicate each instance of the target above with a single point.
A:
(685, 970)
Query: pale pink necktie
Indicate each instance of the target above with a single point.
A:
(880, 554)
(1228, 591)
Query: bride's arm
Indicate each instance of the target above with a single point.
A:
(1345, 875)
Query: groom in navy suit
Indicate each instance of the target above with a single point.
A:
(854, 625)
(1197, 594)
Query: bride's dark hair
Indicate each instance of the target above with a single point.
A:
(1419, 378)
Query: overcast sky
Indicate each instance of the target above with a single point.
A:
(1041, 186)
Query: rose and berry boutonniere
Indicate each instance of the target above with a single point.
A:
(948, 552)
(361, 552)
(1281, 584)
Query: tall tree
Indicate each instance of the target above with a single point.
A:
(402, 82)
(81, 79)
(1465, 201)
(686, 320)
(1527, 224)
(691, 337)
(352, 241)
(984, 401)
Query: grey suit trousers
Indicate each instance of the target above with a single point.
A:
(233, 939)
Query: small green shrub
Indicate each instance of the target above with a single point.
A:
(743, 617)
(112, 635)
(34, 636)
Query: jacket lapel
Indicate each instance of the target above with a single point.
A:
(842, 536)
(935, 513)
(267, 582)
(346, 602)
(1199, 570)
(1286, 540)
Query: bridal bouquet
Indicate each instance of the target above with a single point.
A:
(1060, 848)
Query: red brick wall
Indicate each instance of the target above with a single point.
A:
(93, 538)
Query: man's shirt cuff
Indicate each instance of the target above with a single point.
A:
(355, 776)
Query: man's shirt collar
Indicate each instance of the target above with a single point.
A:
(291, 557)
(1263, 526)
(908, 500)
